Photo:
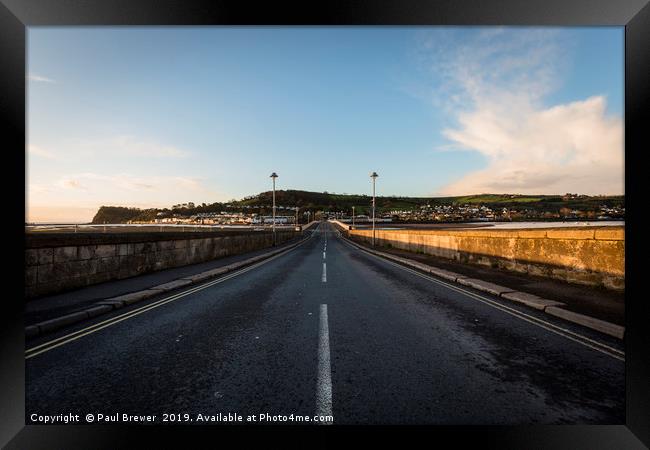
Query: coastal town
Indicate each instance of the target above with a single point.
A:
(470, 212)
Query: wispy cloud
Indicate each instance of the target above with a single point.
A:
(131, 146)
(39, 151)
(39, 78)
(130, 182)
(492, 65)
(494, 85)
(70, 183)
(36, 188)
(147, 148)
(92, 189)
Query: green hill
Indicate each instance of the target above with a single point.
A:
(331, 202)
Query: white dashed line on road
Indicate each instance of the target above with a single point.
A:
(324, 277)
(324, 376)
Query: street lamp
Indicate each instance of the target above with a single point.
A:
(374, 177)
(274, 176)
(353, 217)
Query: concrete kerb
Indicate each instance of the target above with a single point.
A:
(170, 286)
(55, 324)
(590, 322)
(127, 299)
(484, 286)
(209, 274)
(98, 310)
(109, 304)
(531, 300)
(551, 307)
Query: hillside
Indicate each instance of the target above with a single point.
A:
(331, 202)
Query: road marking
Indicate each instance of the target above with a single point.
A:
(324, 277)
(324, 376)
(54, 343)
(324, 257)
(568, 334)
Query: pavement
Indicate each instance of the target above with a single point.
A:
(328, 333)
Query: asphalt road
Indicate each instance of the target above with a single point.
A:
(327, 329)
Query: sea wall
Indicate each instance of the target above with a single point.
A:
(58, 262)
(585, 255)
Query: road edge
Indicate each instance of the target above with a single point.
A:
(548, 306)
(107, 305)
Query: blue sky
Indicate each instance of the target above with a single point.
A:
(155, 116)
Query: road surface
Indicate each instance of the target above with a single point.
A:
(330, 332)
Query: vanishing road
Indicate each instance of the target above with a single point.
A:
(327, 329)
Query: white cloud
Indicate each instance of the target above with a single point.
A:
(40, 79)
(494, 85)
(566, 148)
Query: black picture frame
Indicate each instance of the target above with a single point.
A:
(16, 15)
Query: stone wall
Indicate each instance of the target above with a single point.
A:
(63, 261)
(585, 255)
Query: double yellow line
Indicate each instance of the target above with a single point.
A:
(568, 334)
(54, 343)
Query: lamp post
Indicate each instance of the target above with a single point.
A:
(353, 217)
(273, 176)
(374, 177)
(296, 216)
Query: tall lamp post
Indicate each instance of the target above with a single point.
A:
(274, 176)
(374, 177)
(353, 217)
